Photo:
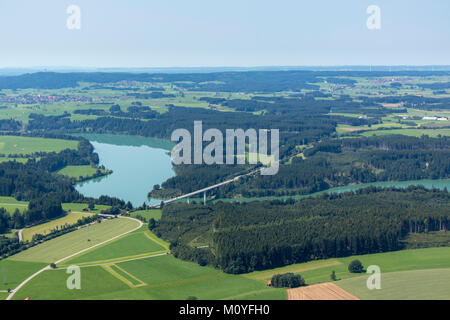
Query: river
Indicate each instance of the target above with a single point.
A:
(429, 184)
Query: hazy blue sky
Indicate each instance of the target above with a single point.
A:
(149, 33)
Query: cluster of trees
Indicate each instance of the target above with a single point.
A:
(287, 280)
(10, 246)
(355, 267)
(152, 95)
(267, 234)
(10, 125)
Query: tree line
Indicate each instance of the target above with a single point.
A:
(268, 234)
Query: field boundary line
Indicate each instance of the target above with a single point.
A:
(174, 283)
(118, 260)
(108, 268)
(11, 295)
(155, 239)
(141, 283)
(131, 258)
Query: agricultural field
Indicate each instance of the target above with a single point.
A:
(108, 274)
(391, 122)
(405, 285)
(46, 228)
(72, 242)
(11, 204)
(160, 277)
(147, 214)
(409, 132)
(319, 271)
(78, 207)
(10, 145)
(138, 243)
(12, 273)
(323, 291)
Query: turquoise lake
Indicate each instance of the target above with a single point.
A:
(138, 164)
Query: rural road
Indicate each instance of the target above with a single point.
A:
(13, 204)
(13, 292)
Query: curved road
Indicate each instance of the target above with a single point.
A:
(13, 292)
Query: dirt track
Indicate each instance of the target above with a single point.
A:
(323, 291)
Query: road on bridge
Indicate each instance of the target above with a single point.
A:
(204, 190)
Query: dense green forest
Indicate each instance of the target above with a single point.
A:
(38, 183)
(252, 81)
(267, 234)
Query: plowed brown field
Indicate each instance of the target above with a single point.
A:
(323, 291)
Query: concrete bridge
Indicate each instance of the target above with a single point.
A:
(204, 190)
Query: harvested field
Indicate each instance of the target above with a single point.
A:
(323, 291)
(350, 129)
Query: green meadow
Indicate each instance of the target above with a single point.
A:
(162, 277)
(46, 228)
(78, 171)
(72, 242)
(404, 260)
(147, 214)
(405, 285)
(29, 145)
(131, 245)
(11, 204)
(78, 207)
(12, 273)
(409, 132)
